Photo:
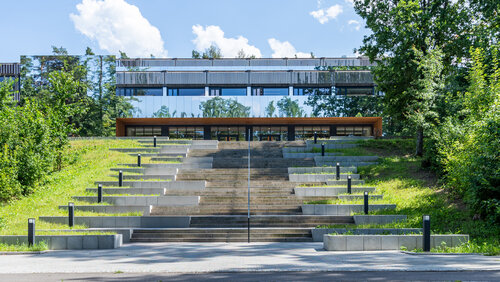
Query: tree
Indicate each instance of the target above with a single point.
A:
(270, 109)
(219, 107)
(163, 112)
(404, 32)
(213, 52)
(289, 108)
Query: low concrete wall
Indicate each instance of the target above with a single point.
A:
(378, 219)
(305, 155)
(340, 209)
(346, 159)
(387, 242)
(317, 233)
(329, 191)
(174, 149)
(136, 150)
(144, 191)
(125, 232)
(186, 185)
(124, 221)
(331, 169)
(332, 163)
(359, 197)
(331, 146)
(144, 200)
(318, 177)
(69, 242)
(146, 210)
(343, 182)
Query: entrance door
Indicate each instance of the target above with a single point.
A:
(269, 137)
(228, 137)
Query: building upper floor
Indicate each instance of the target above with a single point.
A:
(186, 73)
(11, 71)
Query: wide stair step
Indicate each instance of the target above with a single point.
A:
(269, 221)
(222, 235)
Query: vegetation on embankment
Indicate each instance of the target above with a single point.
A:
(399, 176)
(86, 161)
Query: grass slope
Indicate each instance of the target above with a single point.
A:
(86, 161)
(416, 192)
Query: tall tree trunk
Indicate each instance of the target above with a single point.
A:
(420, 142)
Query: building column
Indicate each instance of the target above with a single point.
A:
(249, 91)
(164, 91)
(291, 133)
(207, 132)
(290, 90)
(207, 91)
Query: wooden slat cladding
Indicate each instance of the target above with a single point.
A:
(9, 69)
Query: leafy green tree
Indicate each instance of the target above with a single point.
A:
(163, 112)
(213, 52)
(270, 109)
(404, 32)
(289, 108)
(219, 107)
(469, 142)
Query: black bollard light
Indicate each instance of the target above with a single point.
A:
(315, 137)
(139, 160)
(338, 171)
(154, 141)
(366, 202)
(322, 149)
(426, 233)
(71, 214)
(99, 193)
(31, 231)
(349, 190)
(120, 178)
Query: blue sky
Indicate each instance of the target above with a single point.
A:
(173, 28)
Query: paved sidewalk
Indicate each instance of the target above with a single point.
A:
(236, 257)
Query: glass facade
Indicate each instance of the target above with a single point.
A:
(219, 91)
(144, 130)
(270, 133)
(312, 91)
(266, 91)
(354, 130)
(307, 132)
(139, 91)
(185, 132)
(227, 133)
(186, 91)
(354, 91)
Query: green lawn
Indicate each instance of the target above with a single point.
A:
(86, 161)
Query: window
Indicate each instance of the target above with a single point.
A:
(143, 131)
(228, 91)
(139, 91)
(312, 91)
(354, 130)
(186, 92)
(185, 132)
(307, 132)
(355, 91)
(261, 91)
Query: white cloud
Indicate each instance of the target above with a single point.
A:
(229, 47)
(118, 26)
(324, 15)
(285, 50)
(356, 24)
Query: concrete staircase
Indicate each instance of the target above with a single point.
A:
(203, 197)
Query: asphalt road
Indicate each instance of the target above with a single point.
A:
(261, 276)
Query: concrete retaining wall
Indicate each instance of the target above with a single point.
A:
(378, 219)
(340, 209)
(331, 146)
(317, 233)
(160, 201)
(124, 221)
(387, 242)
(306, 155)
(333, 170)
(169, 185)
(332, 163)
(146, 210)
(69, 242)
(318, 177)
(344, 182)
(328, 191)
(174, 149)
